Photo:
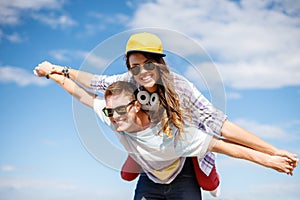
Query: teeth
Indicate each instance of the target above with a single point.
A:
(144, 78)
(119, 119)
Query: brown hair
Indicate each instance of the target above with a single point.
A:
(168, 97)
(119, 87)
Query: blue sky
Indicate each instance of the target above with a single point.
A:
(254, 47)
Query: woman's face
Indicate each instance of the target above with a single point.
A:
(145, 78)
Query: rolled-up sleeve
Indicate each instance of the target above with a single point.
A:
(200, 109)
(99, 83)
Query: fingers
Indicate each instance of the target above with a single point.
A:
(294, 157)
(287, 154)
(42, 69)
(36, 72)
(291, 161)
(284, 164)
(291, 166)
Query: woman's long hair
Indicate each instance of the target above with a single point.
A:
(168, 97)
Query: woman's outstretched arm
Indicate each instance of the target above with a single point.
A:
(47, 68)
(241, 136)
(88, 80)
(278, 163)
(74, 89)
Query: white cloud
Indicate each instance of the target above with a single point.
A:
(19, 188)
(1, 35)
(204, 75)
(92, 61)
(61, 54)
(61, 21)
(267, 131)
(261, 73)
(269, 184)
(20, 76)
(21, 183)
(256, 44)
(14, 38)
(65, 55)
(233, 95)
(11, 37)
(99, 22)
(284, 189)
(7, 168)
(117, 18)
(12, 11)
(31, 4)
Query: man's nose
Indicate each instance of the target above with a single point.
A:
(115, 115)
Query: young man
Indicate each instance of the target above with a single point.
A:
(164, 165)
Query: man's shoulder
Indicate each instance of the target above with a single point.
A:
(99, 102)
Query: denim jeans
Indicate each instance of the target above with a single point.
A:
(183, 187)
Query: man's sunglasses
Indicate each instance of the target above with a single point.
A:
(121, 110)
(135, 70)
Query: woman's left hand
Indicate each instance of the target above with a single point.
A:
(287, 154)
(45, 68)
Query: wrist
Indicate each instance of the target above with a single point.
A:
(274, 151)
(48, 74)
(66, 71)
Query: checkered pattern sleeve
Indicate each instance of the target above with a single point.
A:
(99, 83)
(200, 109)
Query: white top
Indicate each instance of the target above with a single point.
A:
(161, 157)
(202, 112)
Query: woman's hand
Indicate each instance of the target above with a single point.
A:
(282, 164)
(293, 157)
(46, 68)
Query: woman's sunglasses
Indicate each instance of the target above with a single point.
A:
(135, 70)
(121, 110)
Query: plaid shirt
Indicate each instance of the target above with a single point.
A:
(200, 109)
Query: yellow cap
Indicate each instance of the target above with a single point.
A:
(145, 42)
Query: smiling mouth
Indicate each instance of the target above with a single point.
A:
(147, 77)
(119, 120)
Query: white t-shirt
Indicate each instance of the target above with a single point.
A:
(161, 157)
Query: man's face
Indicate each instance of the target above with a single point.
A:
(125, 122)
